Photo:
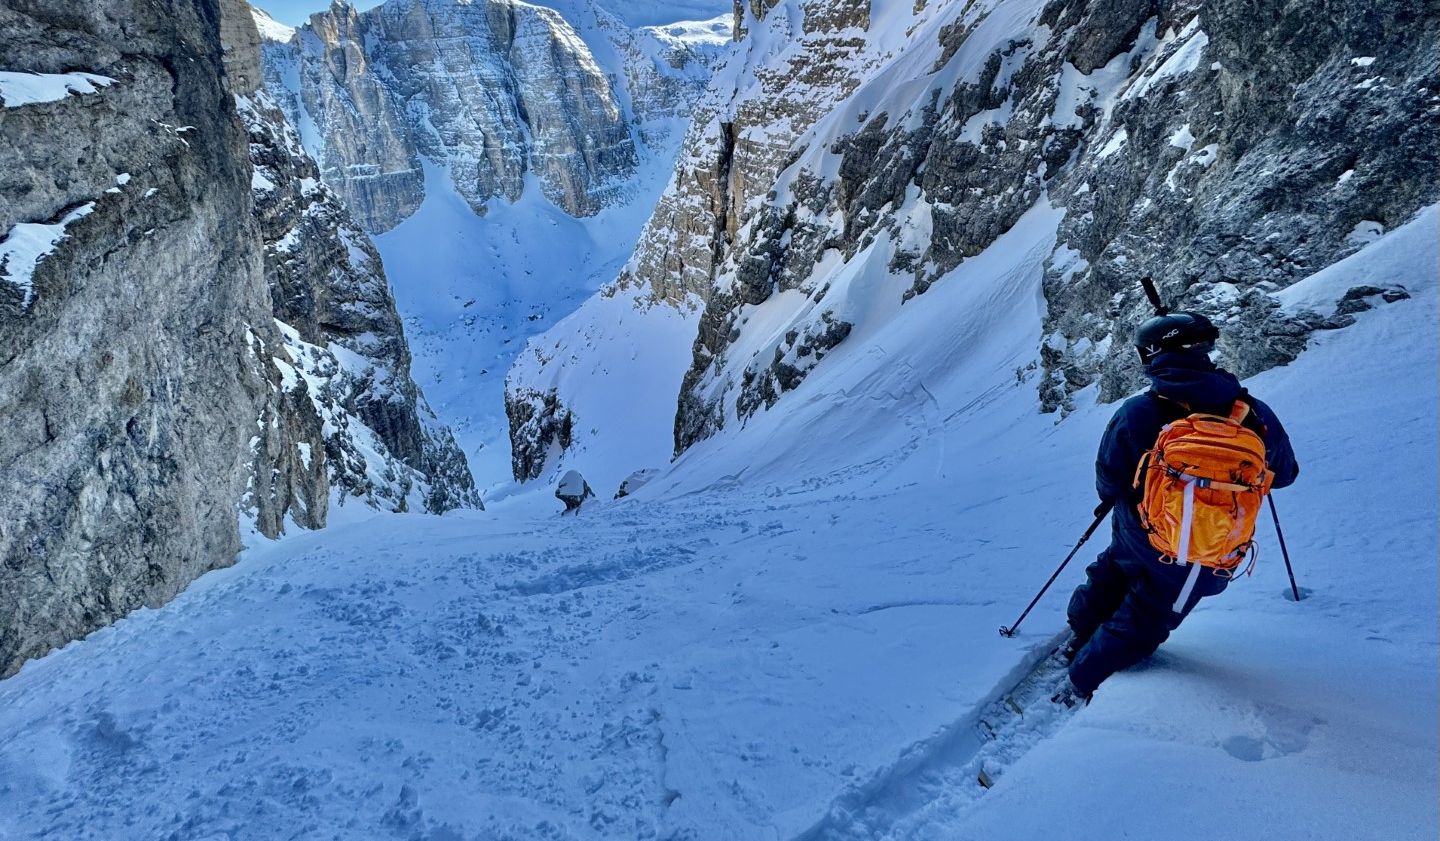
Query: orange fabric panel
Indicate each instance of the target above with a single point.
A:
(1207, 448)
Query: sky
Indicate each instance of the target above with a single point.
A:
(635, 12)
(296, 12)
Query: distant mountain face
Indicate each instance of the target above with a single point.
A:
(856, 154)
(499, 92)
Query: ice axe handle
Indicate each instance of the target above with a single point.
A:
(1154, 295)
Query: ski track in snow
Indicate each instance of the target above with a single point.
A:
(953, 769)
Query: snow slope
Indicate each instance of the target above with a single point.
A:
(474, 288)
(785, 634)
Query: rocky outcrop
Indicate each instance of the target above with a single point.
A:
(1265, 143)
(1220, 147)
(343, 346)
(538, 422)
(152, 400)
(742, 134)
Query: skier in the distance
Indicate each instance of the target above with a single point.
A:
(1131, 599)
(573, 491)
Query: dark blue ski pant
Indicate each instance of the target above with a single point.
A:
(1125, 610)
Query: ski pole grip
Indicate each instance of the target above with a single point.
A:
(1154, 295)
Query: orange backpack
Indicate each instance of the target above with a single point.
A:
(1205, 479)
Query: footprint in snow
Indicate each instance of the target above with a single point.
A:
(1282, 732)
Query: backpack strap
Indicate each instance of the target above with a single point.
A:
(1239, 413)
(1140, 469)
(1253, 420)
(1171, 402)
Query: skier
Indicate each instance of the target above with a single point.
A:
(573, 491)
(1132, 597)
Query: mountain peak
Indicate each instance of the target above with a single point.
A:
(270, 28)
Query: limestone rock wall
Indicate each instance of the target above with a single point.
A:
(362, 137)
(497, 91)
(342, 354)
(126, 394)
(153, 399)
(1227, 149)
(365, 433)
(796, 64)
(1271, 141)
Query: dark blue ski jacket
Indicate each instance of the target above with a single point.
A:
(1184, 377)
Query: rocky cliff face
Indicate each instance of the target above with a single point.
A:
(125, 390)
(1261, 143)
(345, 362)
(793, 63)
(1213, 145)
(145, 383)
(496, 92)
(355, 127)
(860, 153)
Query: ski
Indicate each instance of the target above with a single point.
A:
(1022, 715)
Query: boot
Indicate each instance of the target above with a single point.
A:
(1069, 697)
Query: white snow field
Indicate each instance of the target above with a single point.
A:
(791, 633)
(473, 289)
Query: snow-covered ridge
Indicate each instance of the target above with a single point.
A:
(269, 28)
(17, 89)
(716, 32)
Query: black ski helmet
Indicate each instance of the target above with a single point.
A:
(1174, 331)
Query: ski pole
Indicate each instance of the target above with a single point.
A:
(1283, 551)
(1104, 509)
